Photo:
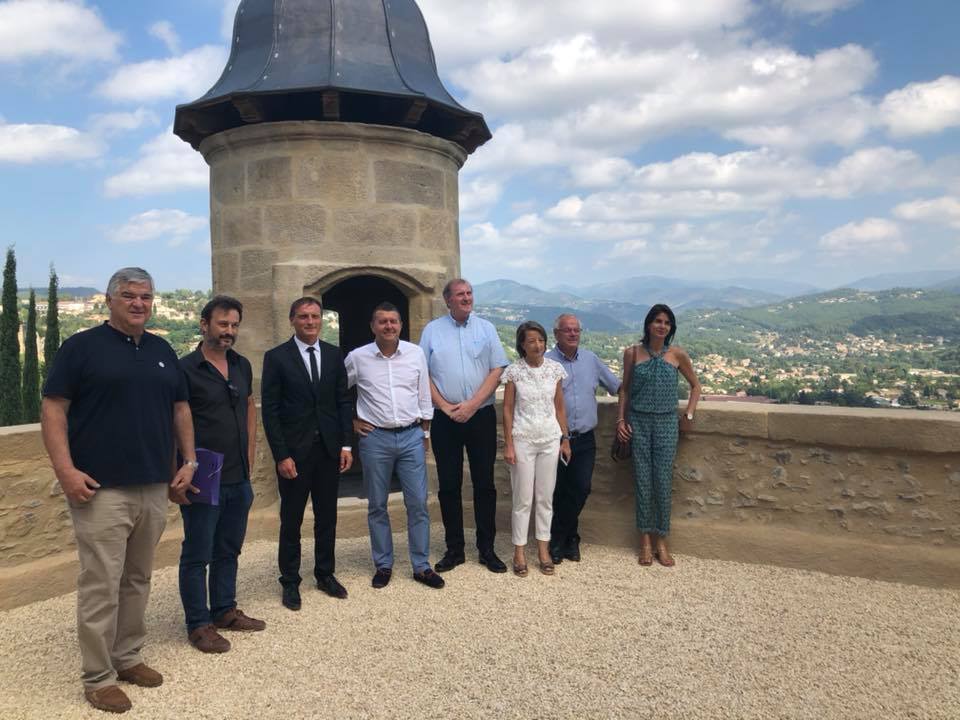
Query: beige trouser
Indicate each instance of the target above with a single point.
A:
(532, 481)
(117, 532)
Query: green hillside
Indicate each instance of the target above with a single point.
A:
(906, 313)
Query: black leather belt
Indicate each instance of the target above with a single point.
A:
(580, 434)
(400, 429)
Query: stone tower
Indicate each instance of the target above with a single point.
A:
(334, 153)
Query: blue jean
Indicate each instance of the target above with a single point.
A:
(382, 452)
(212, 536)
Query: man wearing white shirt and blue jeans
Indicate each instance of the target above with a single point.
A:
(394, 411)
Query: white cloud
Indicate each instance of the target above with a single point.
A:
(923, 108)
(514, 150)
(485, 246)
(627, 249)
(941, 211)
(769, 176)
(815, 7)
(164, 31)
(872, 236)
(601, 172)
(755, 170)
(479, 195)
(633, 206)
(174, 225)
(870, 170)
(54, 28)
(182, 78)
(110, 123)
(501, 27)
(843, 122)
(614, 98)
(26, 144)
(166, 164)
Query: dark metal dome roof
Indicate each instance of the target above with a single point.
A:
(367, 61)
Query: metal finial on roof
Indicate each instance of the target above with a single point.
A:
(366, 61)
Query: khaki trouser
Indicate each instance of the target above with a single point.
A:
(117, 532)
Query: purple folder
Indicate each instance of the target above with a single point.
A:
(207, 477)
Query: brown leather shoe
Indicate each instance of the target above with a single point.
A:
(141, 675)
(109, 698)
(206, 639)
(235, 619)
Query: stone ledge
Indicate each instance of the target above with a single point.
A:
(912, 431)
(275, 134)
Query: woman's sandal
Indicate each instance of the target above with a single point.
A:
(519, 570)
(667, 561)
(547, 568)
(646, 555)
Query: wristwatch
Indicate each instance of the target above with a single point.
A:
(690, 417)
(426, 434)
(192, 463)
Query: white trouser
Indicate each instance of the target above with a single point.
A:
(532, 481)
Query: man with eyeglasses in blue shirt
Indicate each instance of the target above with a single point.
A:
(585, 373)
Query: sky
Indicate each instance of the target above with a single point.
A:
(804, 140)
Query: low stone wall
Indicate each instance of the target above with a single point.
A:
(885, 475)
(874, 493)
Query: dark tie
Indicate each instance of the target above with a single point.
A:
(314, 372)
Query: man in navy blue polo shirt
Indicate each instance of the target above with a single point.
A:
(585, 373)
(220, 381)
(113, 403)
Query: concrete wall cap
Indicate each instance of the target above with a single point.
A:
(930, 431)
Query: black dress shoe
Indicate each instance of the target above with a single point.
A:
(429, 578)
(331, 586)
(573, 549)
(450, 561)
(291, 597)
(381, 577)
(493, 563)
(556, 554)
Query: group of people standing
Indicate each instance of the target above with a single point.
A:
(119, 407)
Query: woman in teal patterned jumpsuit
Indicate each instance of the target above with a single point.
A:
(647, 419)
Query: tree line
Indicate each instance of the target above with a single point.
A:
(20, 383)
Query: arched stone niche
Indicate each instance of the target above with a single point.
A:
(354, 293)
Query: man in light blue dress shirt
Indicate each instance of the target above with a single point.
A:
(465, 358)
(585, 373)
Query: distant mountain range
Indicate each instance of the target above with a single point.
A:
(905, 312)
(616, 306)
(81, 293)
(928, 279)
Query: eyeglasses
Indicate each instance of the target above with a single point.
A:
(234, 394)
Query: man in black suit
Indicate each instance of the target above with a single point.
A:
(307, 417)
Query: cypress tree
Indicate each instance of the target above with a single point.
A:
(31, 369)
(51, 336)
(11, 407)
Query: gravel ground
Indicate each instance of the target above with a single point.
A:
(604, 638)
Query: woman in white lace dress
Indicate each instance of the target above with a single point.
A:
(535, 437)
